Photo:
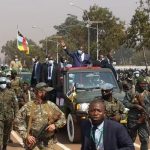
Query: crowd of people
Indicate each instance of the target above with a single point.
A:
(26, 107)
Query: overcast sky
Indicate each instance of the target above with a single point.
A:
(47, 13)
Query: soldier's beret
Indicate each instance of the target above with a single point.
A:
(14, 72)
(141, 80)
(106, 86)
(43, 86)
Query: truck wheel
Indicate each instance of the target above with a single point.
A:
(73, 129)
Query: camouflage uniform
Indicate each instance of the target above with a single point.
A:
(16, 85)
(42, 114)
(113, 108)
(24, 97)
(15, 65)
(134, 115)
(8, 110)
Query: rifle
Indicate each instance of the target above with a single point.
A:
(144, 114)
(41, 135)
(147, 119)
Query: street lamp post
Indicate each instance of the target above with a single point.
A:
(97, 39)
(88, 24)
(57, 37)
(57, 44)
(45, 38)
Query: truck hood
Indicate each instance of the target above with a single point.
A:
(88, 96)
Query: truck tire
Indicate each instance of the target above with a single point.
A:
(73, 129)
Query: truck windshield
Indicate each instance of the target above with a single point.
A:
(86, 80)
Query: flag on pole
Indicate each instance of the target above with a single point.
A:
(22, 43)
(71, 94)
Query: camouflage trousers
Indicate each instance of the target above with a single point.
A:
(141, 130)
(5, 130)
(52, 145)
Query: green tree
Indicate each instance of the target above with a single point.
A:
(111, 30)
(10, 50)
(138, 34)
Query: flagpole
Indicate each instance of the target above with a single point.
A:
(17, 36)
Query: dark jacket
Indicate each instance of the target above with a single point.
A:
(115, 136)
(35, 77)
(76, 59)
(55, 75)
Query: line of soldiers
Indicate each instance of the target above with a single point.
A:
(35, 110)
(26, 111)
(137, 99)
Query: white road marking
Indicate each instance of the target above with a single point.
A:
(63, 146)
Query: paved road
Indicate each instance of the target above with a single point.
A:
(62, 137)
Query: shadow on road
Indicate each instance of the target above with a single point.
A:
(63, 137)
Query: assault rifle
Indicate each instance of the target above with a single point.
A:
(145, 115)
(40, 136)
(147, 119)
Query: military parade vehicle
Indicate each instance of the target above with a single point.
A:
(80, 85)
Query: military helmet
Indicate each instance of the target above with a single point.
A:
(107, 86)
(42, 86)
(142, 84)
(13, 72)
(3, 81)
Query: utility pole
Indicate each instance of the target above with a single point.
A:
(88, 23)
(56, 40)
(97, 37)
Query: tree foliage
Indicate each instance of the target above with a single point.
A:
(10, 50)
(110, 30)
(138, 34)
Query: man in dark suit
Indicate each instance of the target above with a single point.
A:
(79, 58)
(36, 71)
(50, 73)
(106, 62)
(100, 62)
(99, 133)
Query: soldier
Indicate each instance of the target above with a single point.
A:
(36, 114)
(16, 64)
(25, 95)
(136, 122)
(15, 82)
(114, 108)
(8, 109)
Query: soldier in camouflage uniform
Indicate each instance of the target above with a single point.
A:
(15, 82)
(8, 110)
(114, 108)
(34, 114)
(136, 123)
(25, 95)
(16, 64)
